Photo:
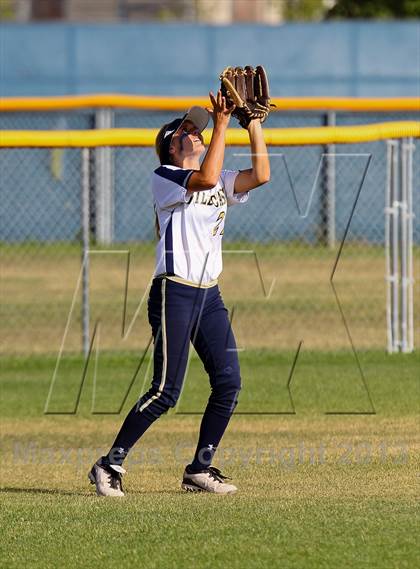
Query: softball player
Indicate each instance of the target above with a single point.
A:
(185, 305)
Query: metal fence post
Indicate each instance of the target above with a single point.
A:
(388, 277)
(85, 249)
(392, 240)
(395, 202)
(328, 188)
(410, 212)
(407, 280)
(404, 243)
(104, 182)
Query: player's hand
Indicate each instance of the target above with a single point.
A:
(220, 112)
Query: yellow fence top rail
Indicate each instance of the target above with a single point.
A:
(149, 103)
(239, 137)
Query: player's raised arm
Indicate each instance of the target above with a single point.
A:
(259, 174)
(248, 89)
(208, 174)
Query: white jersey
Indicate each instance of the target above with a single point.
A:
(191, 224)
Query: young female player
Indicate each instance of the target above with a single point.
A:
(184, 305)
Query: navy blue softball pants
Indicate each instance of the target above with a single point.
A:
(180, 314)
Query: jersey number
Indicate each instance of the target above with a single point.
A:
(219, 220)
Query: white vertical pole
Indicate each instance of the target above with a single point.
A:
(85, 250)
(104, 182)
(410, 272)
(388, 212)
(394, 248)
(403, 244)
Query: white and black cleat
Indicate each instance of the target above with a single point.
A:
(208, 480)
(107, 479)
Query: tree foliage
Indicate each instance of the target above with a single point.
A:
(6, 10)
(302, 10)
(377, 9)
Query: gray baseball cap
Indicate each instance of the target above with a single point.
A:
(197, 115)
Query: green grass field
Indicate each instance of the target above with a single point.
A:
(315, 489)
(327, 470)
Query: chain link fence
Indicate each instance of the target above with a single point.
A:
(304, 259)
